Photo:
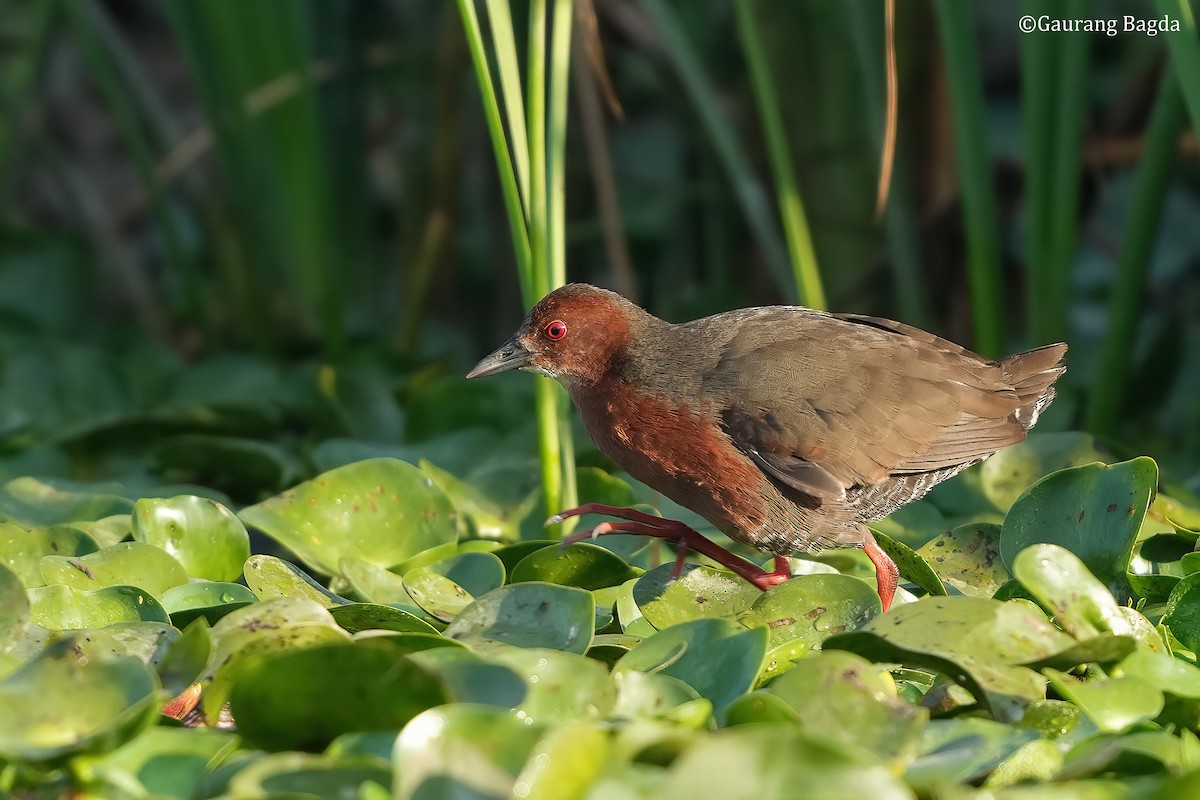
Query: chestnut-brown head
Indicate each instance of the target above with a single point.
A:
(573, 334)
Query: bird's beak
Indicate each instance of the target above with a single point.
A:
(511, 355)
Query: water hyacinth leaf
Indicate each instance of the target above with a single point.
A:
(913, 524)
(373, 691)
(142, 761)
(205, 536)
(758, 761)
(513, 554)
(208, 599)
(229, 463)
(486, 519)
(268, 576)
(758, 707)
(276, 624)
(649, 694)
(22, 550)
(14, 608)
(699, 593)
(355, 617)
(36, 502)
(808, 609)
(560, 687)
(1006, 475)
(718, 658)
(185, 658)
(124, 564)
(107, 531)
(960, 750)
(373, 583)
(63, 702)
(63, 608)
(1154, 587)
(1052, 718)
(967, 559)
(148, 641)
(1094, 511)
(564, 763)
(473, 751)
(853, 703)
(1061, 582)
(912, 566)
(1114, 704)
(382, 511)
(1166, 673)
(435, 594)
(1182, 614)
(306, 775)
(529, 615)
(582, 564)
(477, 572)
(470, 679)
(979, 643)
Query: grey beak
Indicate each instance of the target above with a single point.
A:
(510, 355)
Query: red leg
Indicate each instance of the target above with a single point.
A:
(886, 573)
(631, 514)
(682, 535)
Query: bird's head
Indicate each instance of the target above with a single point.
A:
(574, 334)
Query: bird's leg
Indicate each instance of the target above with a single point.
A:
(639, 523)
(887, 575)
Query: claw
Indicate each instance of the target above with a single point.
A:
(557, 518)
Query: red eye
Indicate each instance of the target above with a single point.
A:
(556, 329)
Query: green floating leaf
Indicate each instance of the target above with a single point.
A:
(513, 554)
(435, 594)
(804, 611)
(205, 536)
(529, 615)
(718, 658)
(62, 608)
(107, 531)
(268, 576)
(293, 776)
(486, 519)
(559, 687)
(853, 703)
(1182, 614)
(280, 623)
(355, 617)
(375, 584)
(382, 511)
(14, 608)
(1062, 583)
(1164, 672)
(346, 687)
(583, 564)
(37, 502)
(650, 694)
(63, 703)
(1094, 511)
(911, 564)
(913, 524)
(979, 643)
(476, 572)
(564, 763)
(462, 751)
(470, 679)
(124, 564)
(699, 593)
(227, 462)
(960, 750)
(185, 658)
(164, 762)
(22, 550)
(759, 707)
(757, 761)
(1114, 704)
(1006, 475)
(967, 559)
(208, 599)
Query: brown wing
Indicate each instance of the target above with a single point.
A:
(825, 403)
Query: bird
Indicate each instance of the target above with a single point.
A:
(785, 427)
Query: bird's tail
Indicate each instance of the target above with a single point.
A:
(1032, 375)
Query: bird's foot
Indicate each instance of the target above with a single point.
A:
(686, 539)
(887, 575)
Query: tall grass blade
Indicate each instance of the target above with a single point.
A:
(1038, 60)
(806, 273)
(974, 173)
(751, 196)
(1184, 47)
(505, 47)
(26, 26)
(1125, 301)
(1070, 108)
